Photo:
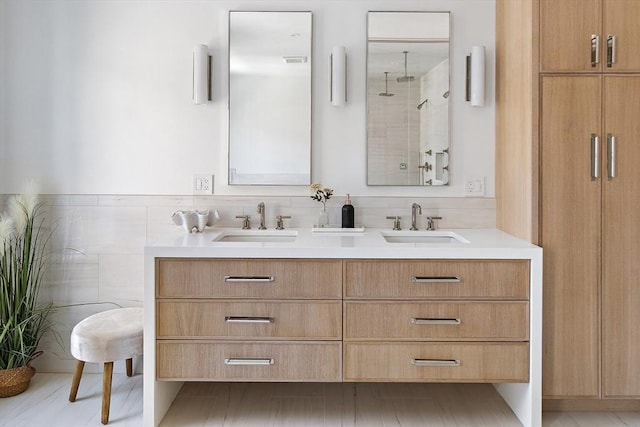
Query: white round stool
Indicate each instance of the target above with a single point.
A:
(103, 338)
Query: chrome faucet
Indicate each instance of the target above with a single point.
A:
(261, 212)
(416, 210)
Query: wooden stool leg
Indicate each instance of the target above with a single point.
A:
(106, 391)
(76, 381)
(129, 367)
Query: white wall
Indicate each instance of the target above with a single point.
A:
(96, 96)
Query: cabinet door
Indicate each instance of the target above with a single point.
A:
(566, 29)
(621, 241)
(570, 235)
(622, 20)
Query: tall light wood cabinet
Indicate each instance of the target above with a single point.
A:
(589, 227)
(590, 197)
(589, 35)
(570, 217)
(621, 241)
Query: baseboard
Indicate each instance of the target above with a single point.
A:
(591, 405)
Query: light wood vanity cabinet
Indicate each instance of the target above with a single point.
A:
(291, 361)
(470, 279)
(436, 362)
(589, 35)
(249, 278)
(297, 320)
(436, 320)
(249, 319)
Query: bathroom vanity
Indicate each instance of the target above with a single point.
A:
(300, 306)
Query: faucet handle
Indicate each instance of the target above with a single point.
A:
(431, 222)
(396, 222)
(246, 225)
(280, 222)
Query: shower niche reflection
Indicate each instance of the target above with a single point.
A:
(408, 98)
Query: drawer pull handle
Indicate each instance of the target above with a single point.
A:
(244, 319)
(595, 156)
(249, 278)
(434, 279)
(435, 362)
(595, 50)
(611, 150)
(435, 321)
(242, 361)
(611, 50)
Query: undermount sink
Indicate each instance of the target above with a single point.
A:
(426, 237)
(258, 236)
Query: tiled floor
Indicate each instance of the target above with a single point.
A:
(46, 404)
(307, 404)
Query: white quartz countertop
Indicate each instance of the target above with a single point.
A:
(480, 243)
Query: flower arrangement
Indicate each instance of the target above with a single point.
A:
(23, 319)
(321, 194)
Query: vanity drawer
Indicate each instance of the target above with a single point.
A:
(258, 319)
(437, 321)
(248, 278)
(249, 361)
(474, 279)
(437, 362)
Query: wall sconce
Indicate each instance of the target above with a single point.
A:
(475, 76)
(338, 76)
(201, 74)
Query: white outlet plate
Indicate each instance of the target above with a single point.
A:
(202, 184)
(474, 187)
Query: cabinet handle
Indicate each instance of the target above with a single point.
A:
(611, 149)
(595, 50)
(611, 50)
(249, 278)
(242, 361)
(436, 362)
(244, 319)
(436, 279)
(595, 156)
(435, 321)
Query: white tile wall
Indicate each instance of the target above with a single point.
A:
(393, 131)
(98, 243)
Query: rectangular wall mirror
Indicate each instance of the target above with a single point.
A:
(408, 98)
(270, 98)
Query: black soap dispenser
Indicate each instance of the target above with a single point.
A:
(347, 214)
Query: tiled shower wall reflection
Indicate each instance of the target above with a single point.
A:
(98, 243)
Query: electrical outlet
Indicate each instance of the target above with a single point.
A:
(202, 184)
(474, 187)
